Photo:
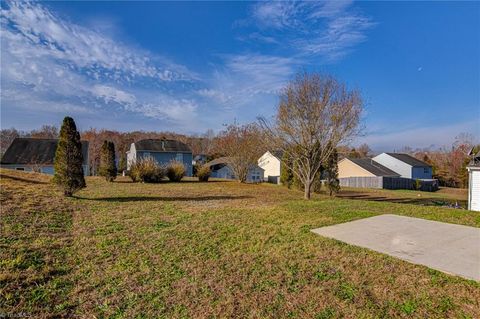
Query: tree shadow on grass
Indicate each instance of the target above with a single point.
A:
(423, 201)
(163, 198)
(20, 179)
(166, 181)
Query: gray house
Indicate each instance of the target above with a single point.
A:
(220, 169)
(161, 150)
(405, 165)
(36, 154)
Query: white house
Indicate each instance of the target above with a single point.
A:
(405, 165)
(220, 169)
(270, 162)
(474, 183)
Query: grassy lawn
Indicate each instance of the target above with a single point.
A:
(217, 249)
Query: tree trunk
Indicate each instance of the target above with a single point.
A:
(308, 186)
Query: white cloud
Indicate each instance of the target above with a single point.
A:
(34, 26)
(52, 65)
(111, 94)
(311, 28)
(246, 80)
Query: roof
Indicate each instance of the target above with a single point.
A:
(373, 167)
(475, 162)
(39, 151)
(218, 161)
(162, 145)
(410, 160)
(225, 161)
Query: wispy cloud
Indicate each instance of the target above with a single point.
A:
(329, 29)
(49, 59)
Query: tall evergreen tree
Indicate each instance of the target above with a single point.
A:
(69, 159)
(333, 184)
(108, 169)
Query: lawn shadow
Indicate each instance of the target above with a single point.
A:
(21, 179)
(162, 198)
(423, 201)
(166, 181)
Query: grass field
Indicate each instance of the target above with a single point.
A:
(217, 249)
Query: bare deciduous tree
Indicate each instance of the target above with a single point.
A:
(242, 145)
(315, 114)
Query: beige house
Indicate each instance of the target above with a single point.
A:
(363, 167)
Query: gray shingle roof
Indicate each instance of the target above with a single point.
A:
(410, 160)
(373, 167)
(162, 145)
(218, 161)
(38, 151)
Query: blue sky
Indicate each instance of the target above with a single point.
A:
(191, 66)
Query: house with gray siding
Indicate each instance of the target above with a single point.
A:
(405, 165)
(36, 155)
(220, 169)
(163, 151)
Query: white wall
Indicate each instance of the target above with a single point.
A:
(474, 189)
(394, 164)
(271, 166)
(131, 156)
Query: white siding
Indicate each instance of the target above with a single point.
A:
(394, 164)
(271, 166)
(474, 189)
(131, 156)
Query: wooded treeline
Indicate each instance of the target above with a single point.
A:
(449, 163)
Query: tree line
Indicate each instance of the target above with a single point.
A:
(316, 118)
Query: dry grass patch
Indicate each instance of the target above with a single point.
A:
(223, 249)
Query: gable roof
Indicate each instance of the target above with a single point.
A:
(225, 161)
(161, 145)
(39, 151)
(410, 160)
(373, 167)
(218, 161)
(475, 162)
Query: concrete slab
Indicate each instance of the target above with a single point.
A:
(454, 249)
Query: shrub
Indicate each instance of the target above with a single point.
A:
(175, 171)
(203, 173)
(417, 185)
(147, 170)
(108, 169)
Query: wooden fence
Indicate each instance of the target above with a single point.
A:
(429, 185)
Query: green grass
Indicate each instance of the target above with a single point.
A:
(203, 250)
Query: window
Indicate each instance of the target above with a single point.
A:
(426, 170)
(179, 157)
(146, 154)
(19, 168)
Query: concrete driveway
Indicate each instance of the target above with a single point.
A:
(454, 249)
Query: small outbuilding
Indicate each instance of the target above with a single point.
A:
(474, 183)
(36, 155)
